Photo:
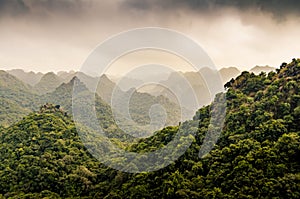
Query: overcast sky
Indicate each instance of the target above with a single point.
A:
(54, 35)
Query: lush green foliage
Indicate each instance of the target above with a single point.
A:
(16, 100)
(257, 155)
(19, 99)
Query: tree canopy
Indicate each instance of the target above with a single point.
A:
(257, 155)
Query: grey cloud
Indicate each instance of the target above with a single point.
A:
(29, 7)
(13, 7)
(276, 7)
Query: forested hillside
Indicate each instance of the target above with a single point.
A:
(48, 83)
(16, 100)
(257, 155)
(19, 99)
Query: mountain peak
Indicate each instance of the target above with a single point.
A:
(104, 77)
(30, 78)
(258, 69)
(229, 73)
(69, 86)
(74, 79)
(13, 83)
(50, 74)
(48, 83)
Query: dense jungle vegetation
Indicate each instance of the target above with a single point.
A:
(257, 155)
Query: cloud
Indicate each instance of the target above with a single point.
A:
(44, 35)
(18, 8)
(12, 7)
(278, 8)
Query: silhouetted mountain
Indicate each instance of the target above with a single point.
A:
(184, 88)
(229, 73)
(259, 69)
(126, 83)
(64, 74)
(177, 83)
(48, 83)
(30, 78)
(9, 81)
(105, 88)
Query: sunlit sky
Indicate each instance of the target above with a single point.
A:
(56, 35)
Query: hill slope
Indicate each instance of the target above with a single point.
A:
(46, 155)
(257, 155)
(16, 99)
(48, 83)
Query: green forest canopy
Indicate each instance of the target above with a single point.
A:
(257, 155)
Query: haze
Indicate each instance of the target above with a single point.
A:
(56, 35)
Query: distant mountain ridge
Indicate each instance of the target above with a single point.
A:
(30, 78)
(259, 69)
(48, 83)
(21, 98)
(22, 90)
(229, 73)
(105, 87)
(256, 155)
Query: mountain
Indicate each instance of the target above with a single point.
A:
(141, 103)
(139, 106)
(16, 99)
(64, 74)
(138, 110)
(62, 95)
(176, 84)
(106, 88)
(184, 88)
(30, 78)
(259, 69)
(49, 157)
(103, 85)
(11, 112)
(229, 73)
(48, 83)
(126, 83)
(90, 82)
(9, 81)
(148, 73)
(256, 156)
(22, 98)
